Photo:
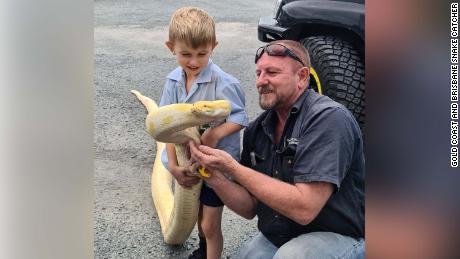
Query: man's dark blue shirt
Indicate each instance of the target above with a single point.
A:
(321, 142)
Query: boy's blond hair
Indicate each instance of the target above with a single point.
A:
(193, 26)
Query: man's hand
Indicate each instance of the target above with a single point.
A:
(194, 169)
(184, 177)
(213, 159)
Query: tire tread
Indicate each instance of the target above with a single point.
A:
(341, 72)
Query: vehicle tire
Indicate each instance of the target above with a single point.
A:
(337, 70)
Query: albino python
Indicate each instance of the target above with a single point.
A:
(176, 123)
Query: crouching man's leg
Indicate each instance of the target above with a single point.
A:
(257, 247)
(322, 245)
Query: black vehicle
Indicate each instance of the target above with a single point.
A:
(333, 33)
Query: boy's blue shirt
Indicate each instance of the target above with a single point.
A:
(211, 84)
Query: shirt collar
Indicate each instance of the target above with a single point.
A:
(204, 76)
(267, 125)
(298, 104)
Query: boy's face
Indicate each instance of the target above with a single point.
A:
(190, 59)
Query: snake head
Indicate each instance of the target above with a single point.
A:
(213, 109)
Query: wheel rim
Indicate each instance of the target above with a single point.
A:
(316, 81)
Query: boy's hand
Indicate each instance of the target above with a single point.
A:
(195, 168)
(210, 138)
(184, 177)
(213, 135)
(213, 159)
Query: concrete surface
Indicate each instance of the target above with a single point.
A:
(129, 53)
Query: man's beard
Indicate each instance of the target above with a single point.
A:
(268, 98)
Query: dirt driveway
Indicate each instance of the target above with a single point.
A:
(129, 54)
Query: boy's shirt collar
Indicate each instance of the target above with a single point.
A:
(203, 77)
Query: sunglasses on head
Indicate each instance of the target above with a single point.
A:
(276, 50)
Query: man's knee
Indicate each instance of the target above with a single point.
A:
(257, 248)
(297, 250)
(321, 245)
(246, 251)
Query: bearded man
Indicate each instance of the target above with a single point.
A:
(302, 166)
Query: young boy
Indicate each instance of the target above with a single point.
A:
(192, 39)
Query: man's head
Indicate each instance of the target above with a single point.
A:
(282, 69)
(192, 38)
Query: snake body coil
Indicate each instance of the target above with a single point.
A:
(176, 123)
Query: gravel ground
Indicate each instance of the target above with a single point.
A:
(130, 54)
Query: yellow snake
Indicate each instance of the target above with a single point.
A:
(176, 123)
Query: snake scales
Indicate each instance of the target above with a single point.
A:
(176, 123)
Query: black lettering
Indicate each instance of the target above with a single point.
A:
(454, 72)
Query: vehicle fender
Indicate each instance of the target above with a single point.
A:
(347, 15)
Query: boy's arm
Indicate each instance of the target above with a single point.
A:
(235, 95)
(182, 175)
(172, 158)
(213, 135)
(237, 119)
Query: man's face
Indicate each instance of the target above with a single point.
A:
(277, 81)
(190, 59)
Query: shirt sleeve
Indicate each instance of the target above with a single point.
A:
(235, 96)
(169, 96)
(326, 147)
